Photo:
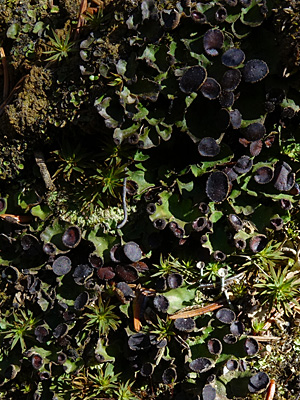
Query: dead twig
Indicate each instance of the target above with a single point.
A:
(40, 160)
(20, 219)
(5, 73)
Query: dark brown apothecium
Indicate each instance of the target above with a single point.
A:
(192, 79)
(213, 41)
(217, 186)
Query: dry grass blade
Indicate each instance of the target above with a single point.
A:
(11, 94)
(264, 338)
(196, 310)
(81, 20)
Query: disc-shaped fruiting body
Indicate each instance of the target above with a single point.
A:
(41, 333)
(211, 89)
(2, 204)
(44, 375)
(286, 204)
(50, 249)
(284, 178)
(82, 272)
(62, 265)
(170, 19)
(169, 376)
(225, 315)
(226, 99)
(106, 273)
(230, 338)
(37, 361)
(213, 41)
(217, 186)
(251, 346)
(185, 324)
(198, 17)
(240, 243)
(231, 79)
(116, 253)
(258, 243)
(147, 369)
(11, 274)
(209, 392)
(61, 358)
(125, 291)
(233, 57)
(71, 237)
(255, 147)
(60, 331)
(214, 346)
(235, 119)
(254, 131)
(219, 256)
(199, 224)
(192, 79)
(139, 341)
(204, 207)
(263, 175)
(160, 223)
(258, 382)
(161, 303)
(95, 260)
(237, 328)
(255, 71)
(208, 147)
(201, 364)
(151, 208)
(277, 223)
(28, 242)
(127, 273)
(81, 301)
(232, 365)
(132, 251)
(235, 222)
(176, 229)
(243, 165)
(221, 14)
(174, 280)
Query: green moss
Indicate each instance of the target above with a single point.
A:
(27, 115)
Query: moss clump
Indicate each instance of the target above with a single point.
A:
(288, 23)
(27, 115)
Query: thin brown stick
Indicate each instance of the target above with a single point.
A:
(5, 73)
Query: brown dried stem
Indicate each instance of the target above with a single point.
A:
(5, 73)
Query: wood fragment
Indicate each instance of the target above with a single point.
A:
(271, 390)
